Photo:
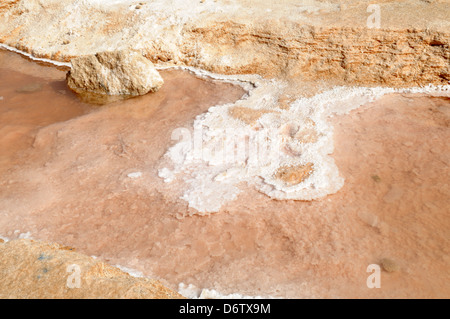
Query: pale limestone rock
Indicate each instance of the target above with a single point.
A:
(122, 72)
(31, 269)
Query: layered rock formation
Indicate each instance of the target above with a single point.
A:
(310, 39)
(114, 73)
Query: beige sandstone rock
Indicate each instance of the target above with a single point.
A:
(32, 269)
(389, 265)
(122, 72)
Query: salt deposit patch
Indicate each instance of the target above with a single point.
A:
(284, 152)
(134, 175)
(193, 292)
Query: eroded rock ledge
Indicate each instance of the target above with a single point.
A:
(310, 40)
(33, 269)
(347, 55)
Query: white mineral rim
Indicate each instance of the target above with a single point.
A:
(212, 180)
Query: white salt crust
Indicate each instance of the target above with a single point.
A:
(134, 175)
(19, 235)
(192, 292)
(57, 63)
(210, 181)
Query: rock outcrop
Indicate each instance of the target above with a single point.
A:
(326, 41)
(32, 269)
(123, 72)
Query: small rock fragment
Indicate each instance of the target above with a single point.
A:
(389, 265)
(246, 114)
(376, 178)
(122, 72)
(293, 175)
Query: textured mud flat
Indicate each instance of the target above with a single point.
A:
(91, 182)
